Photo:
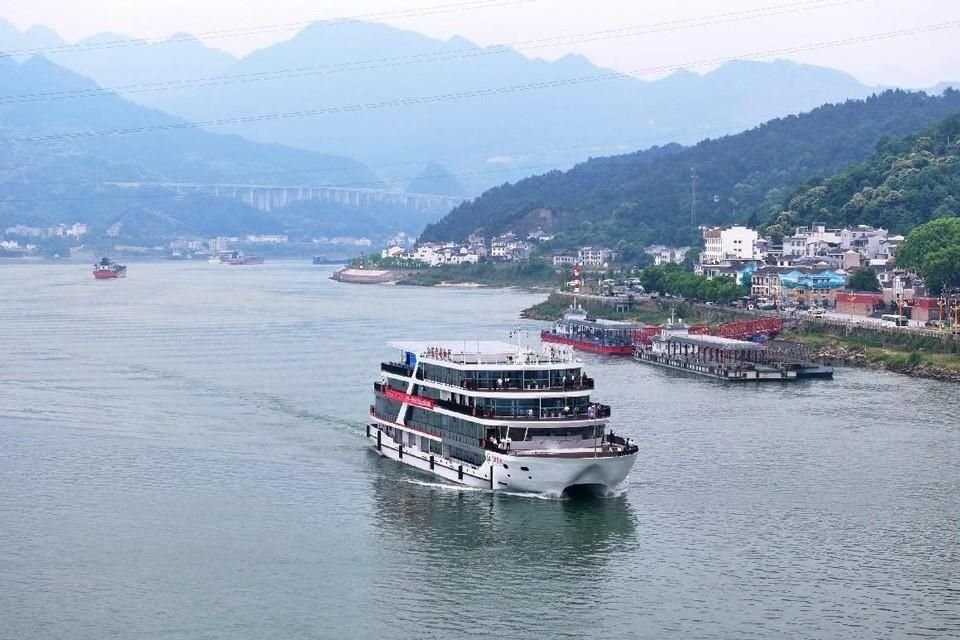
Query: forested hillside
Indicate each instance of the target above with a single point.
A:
(645, 197)
(907, 182)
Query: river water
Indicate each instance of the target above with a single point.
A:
(182, 456)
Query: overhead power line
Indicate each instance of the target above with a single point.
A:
(271, 28)
(479, 93)
(436, 56)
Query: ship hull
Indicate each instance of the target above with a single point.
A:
(109, 275)
(528, 474)
(590, 347)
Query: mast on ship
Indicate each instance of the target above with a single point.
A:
(576, 283)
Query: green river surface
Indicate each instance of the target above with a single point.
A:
(182, 456)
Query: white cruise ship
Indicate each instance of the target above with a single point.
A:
(497, 416)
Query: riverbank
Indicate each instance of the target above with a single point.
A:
(524, 275)
(864, 352)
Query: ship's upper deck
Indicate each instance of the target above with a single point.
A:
(473, 353)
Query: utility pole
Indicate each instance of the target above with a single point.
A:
(693, 196)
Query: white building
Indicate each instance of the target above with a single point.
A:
(267, 239)
(596, 257)
(729, 243)
(813, 241)
(666, 255)
(508, 248)
(76, 230)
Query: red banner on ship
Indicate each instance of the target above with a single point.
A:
(417, 401)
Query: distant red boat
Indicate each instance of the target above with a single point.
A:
(107, 269)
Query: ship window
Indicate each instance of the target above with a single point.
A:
(506, 467)
(524, 468)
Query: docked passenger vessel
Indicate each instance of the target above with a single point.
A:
(604, 337)
(497, 416)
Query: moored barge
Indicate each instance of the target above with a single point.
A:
(722, 358)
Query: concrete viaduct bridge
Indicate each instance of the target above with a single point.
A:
(268, 197)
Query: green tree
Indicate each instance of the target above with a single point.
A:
(933, 249)
(942, 268)
(864, 280)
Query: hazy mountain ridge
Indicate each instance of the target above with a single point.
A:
(51, 172)
(645, 197)
(553, 112)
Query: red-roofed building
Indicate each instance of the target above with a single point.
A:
(859, 304)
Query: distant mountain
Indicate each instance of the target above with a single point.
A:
(489, 114)
(137, 65)
(36, 37)
(906, 183)
(172, 153)
(640, 198)
(52, 170)
(437, 180)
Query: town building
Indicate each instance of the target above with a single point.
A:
(812, 241)
(267, 239)
(729, 243)
(508, 248)
(666, 255)
(596, 256)
(803, 286)
(734, 269)
(859, 304)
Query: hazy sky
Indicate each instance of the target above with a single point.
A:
(915, 60)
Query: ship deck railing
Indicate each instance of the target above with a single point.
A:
(599, 411)
(579, 383)
(582, 384)
(624, 341)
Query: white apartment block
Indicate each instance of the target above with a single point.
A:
(667, 255)
(267, 239)
(596, 257)
(812, 241)
(729, 243)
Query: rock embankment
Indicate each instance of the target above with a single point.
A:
(837, 353)
(834, 353)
